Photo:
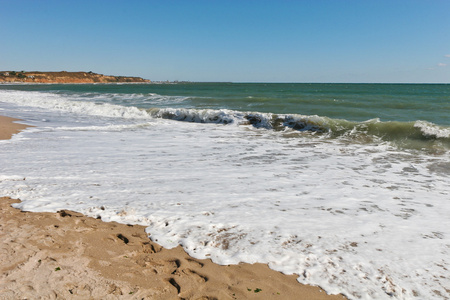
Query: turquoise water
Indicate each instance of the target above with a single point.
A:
(353, 102)
(410, 115)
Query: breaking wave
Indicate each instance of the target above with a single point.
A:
(416, 134)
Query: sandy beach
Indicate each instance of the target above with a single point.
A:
(8, 127)
(67, 255)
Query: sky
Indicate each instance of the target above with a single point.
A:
(394, 41)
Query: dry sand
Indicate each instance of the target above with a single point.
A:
(67, 255)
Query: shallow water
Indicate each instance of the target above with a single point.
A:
(356, 212)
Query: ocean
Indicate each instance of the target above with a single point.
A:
(346, 185)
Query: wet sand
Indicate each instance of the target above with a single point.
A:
(8, 127)
(67, 255)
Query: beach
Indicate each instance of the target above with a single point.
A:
(66, 255)
(8, 127)
(328, 183)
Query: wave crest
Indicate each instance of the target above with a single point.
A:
(417, 134)
(222, 116)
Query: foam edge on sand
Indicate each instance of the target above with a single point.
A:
(69, 255)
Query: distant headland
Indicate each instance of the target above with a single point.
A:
(65, 77)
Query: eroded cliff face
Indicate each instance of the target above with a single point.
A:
(65, 77)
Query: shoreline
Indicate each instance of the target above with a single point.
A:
(69, 255)
(9, 127)
(69, 83)
(65, 77)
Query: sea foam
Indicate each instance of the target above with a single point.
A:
(365, 219)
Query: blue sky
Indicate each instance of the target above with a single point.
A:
(240, 41)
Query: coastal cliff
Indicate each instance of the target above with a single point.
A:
(65, 77)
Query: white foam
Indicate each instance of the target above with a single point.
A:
(130, 99)
(367, 220)
(221, 116)
(432, 130)
(59, 103)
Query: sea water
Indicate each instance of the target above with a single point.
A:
(346, 185)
